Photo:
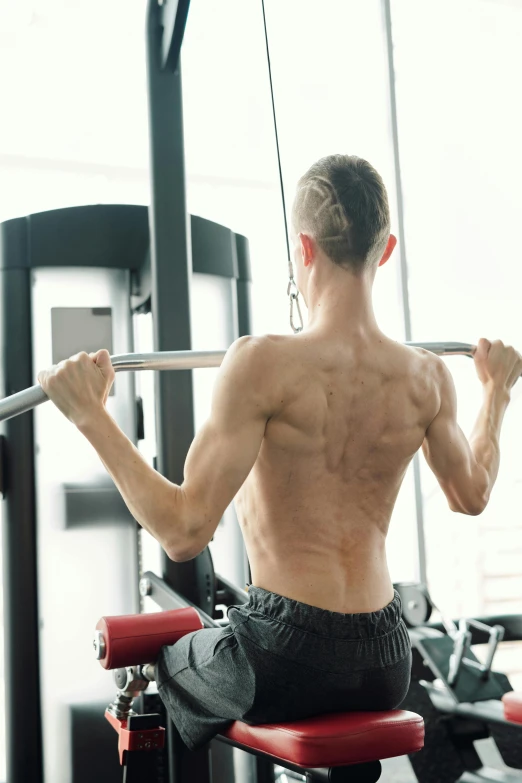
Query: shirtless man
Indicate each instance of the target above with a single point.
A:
(312, 435)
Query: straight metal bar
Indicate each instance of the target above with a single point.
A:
(24, 401)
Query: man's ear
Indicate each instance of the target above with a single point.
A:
(390, 247)
(307, 248)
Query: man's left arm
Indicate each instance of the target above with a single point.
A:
(182, 518)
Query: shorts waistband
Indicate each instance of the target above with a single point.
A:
(362, 625)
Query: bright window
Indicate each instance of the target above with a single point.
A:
(458, 64)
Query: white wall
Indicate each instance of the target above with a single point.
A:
(458, 66)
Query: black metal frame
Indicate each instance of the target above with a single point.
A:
(22, 675)
(172, 255)
(109, 236)
(173, 20)
(140, 766)
(170, 251)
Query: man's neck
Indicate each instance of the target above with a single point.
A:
(341, 302)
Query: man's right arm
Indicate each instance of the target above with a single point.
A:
(466, 470)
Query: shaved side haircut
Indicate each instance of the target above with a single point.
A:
(342, 203)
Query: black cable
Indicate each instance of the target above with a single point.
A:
(276, 133)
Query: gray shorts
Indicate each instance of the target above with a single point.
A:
(281, 660)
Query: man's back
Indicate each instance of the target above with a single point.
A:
(316, 507)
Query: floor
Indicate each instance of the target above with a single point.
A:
(399, 770)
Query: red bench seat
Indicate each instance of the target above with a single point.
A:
(335, 740)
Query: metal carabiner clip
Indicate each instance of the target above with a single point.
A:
(293, 293)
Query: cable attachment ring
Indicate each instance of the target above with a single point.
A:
(293, 293)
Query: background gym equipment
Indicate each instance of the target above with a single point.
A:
(71, 288)
(180, 360)
(459, 697)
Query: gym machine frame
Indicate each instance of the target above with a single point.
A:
(118, 237)
(100, 236)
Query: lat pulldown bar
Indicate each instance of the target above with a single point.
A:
(25, 400)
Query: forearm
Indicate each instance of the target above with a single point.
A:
(484, 440)
(156, 503)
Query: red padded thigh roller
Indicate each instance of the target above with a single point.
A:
(138, 638)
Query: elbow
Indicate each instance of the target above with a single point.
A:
(481, 499)
(480, 505)
(472, 508)
(472, 499)
(476, 509)
(180, 555)
(183, 550)
(182, 534)
(483, 493)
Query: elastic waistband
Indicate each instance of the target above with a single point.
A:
(363, 625)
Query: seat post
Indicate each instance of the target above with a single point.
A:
(370, 772)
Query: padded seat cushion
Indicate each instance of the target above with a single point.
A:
(336, 739)
(513, 706)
